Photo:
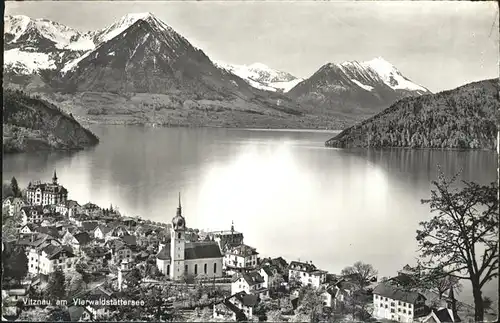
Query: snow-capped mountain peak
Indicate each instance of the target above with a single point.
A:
(262, 76)
(125, 22)
(376, 70)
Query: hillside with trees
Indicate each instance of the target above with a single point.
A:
(462, 118)
(32, 124)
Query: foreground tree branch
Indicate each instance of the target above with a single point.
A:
(461, 239)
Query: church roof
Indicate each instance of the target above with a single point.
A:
(194, 250)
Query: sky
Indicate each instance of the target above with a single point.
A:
(437, 44)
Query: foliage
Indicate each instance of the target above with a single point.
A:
(15, 264)
(134, 277)
(34, 314)
(32, 124)
(462, 239)
(14, 186)
(461, 118)
(311, 302)
(55, 286)
(274, 316)
(360, 273)
(6, 190)
(74, 282)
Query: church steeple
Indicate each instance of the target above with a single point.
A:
(232, 227)
(54, 178)
(179, 208)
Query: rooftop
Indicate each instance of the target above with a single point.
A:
(392, 292)
(194, 250)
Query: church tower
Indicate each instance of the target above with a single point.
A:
(177, 244)
(54, 178)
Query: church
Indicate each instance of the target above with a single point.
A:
(178, 257)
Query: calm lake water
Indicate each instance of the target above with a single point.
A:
(289, 195)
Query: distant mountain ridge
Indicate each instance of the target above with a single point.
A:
(101, 73)
(360, 88)
(262, 77)
(462, 118)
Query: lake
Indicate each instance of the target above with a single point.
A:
(286, 192)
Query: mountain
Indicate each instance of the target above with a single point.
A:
(463, 118)
(262, 77)
(33, 45)
(355, 88)
(31, 124)
(139, 70)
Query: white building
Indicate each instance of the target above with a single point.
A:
(392, 303)
(45, 254)
(46, 193)
(241, 257)
(226, 238)
(250, 283)
(307, 273)
(32, 214)
(178, 257)
(13, 205)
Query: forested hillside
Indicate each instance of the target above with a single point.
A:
(463, 118)
(31, 124)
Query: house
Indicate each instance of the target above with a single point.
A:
(226, 238)
(334, 296)
(130, 241)
(245, 302)
(393, 303)
(46, 193)
(67, 208)
(442, 315)
(53, 257)
(33, 244)
(13, 295)
(48, 230)
(251, 283)
(76, 240)
(118, 230)
(178, 256)
(101, 231)
(89, 226)
(226, 310)
(119, 251)
(96, 258)
(306, 273)
(241, 257)
(13, 205)
(95, 309)
(79, 218)
(28, 228)
(32, 214)
(279, 264)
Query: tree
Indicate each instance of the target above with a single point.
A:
(274, 316)
(35, 314)
(444, 283)
(55, 286)
(6, 190)
(74, 282)
(14, 186)
(360, 273)
(15, 264)
(462, 239)
(311, 302)
(135, 277)
(487, 303)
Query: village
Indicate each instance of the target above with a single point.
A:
(63, 261)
